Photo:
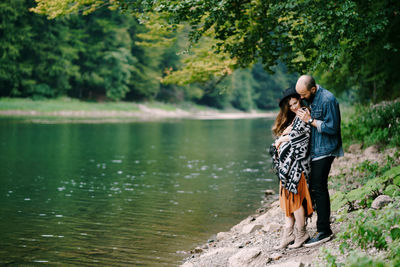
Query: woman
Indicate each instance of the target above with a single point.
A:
(292, 163)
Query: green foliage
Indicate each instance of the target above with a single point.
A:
(39, 91)
(368, 229)
(361, 259)
(375, 124)
(371, 228)
(16, 34)
(250, 89)
(268, 88)
(363, 196)
(111, 56)
(348, 44)
(338, 200)
(120, 65)
(367, 166)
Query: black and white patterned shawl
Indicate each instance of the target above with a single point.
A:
(293, 157)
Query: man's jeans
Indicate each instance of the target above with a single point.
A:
(319, 192)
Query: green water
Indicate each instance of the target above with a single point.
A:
(126, 194)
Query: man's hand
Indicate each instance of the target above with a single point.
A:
(304, 115)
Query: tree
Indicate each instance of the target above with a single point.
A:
(307, 36)
(108, 66)
(36, 55)
(16, 34)
(268, 89)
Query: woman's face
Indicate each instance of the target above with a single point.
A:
(294, 104)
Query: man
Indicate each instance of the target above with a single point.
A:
(325, 145)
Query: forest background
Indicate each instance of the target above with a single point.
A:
(239, 54)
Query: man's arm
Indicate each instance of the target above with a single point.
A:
(329, 124)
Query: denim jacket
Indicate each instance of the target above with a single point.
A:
(326, 138)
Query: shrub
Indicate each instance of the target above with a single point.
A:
(367, 229)
(388, 183)
(377, 124)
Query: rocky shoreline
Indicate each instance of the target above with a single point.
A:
(251, 242)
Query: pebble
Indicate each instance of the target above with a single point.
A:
(381, 201)
(196, 251)
(269, 192)
(276, 256)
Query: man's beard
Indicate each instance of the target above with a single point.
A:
(308, 102)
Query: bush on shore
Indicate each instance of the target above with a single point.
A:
(369, 237)
(373, 125)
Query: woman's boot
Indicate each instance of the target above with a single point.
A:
(301, 237)
(287, 238)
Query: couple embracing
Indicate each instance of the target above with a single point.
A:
(308, 140)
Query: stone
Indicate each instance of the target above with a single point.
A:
(269, 192)
(381, 201)
(213, 257)
(272, 227)
(370, 152)
(275, 212)
(262, 219)
(222, 235)
(260, 210)
(224, 252)
(289, 264)
(187, 264)
(275, 204)
(276, 256)
(354, 148)
(244, 257)
(250, 228)
(196, 250)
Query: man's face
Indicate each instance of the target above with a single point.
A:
(304, 93)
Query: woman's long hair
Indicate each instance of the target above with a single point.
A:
(284, 118)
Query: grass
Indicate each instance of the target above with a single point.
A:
(368, 237)
(188, 106)
(63, 104)
(70, 104)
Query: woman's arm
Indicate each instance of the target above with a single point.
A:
(280, 140)
(299, 138)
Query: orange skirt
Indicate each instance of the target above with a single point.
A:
(291, 202)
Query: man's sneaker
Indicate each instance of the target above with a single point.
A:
(319, 238)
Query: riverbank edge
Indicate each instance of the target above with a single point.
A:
(251, 242)
(143, 113)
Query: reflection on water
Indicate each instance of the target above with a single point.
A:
(126, 194)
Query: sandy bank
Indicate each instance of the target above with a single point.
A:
(145, 113)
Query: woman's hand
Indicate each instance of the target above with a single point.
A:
(281, 140)
(287, 130)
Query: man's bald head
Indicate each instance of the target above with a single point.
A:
(307, 81)
(306, 86)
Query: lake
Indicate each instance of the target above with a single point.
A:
(126, 194)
